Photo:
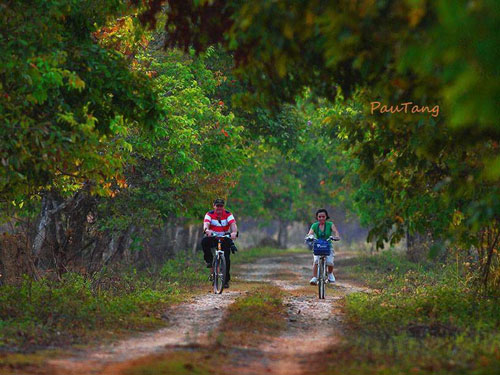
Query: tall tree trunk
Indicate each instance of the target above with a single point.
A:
(486, 269)
(196, 231)
(42, 226)
(283, 234)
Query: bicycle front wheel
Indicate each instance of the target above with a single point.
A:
(321, 279)
(219, 273)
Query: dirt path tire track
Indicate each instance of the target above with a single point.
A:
(313, 324)
(190, 324)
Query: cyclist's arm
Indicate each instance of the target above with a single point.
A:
(334, 230)
(206, 224)
(234, 229)
(311, 232)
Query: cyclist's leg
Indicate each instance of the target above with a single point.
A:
(315, 265)
(329, 263)
(314, 270)
(330, 259)
(207, 244)
(232, 246)
(226, 246)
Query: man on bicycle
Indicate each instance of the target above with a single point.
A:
(323, 229)
(216, 223)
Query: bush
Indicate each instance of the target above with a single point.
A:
(60, 312)
(422, 318)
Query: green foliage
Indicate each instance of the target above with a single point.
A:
(426, 294)
(74, 308)
(421, 318)
(65, 101)
(191, 156)
(412, 172)
(268, 187)
(324, 45)
(284, 183)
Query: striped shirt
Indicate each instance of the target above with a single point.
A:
(219, 224)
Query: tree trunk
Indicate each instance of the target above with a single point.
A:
(196, 238)
(283, 234)
(417, 246)
(486, 269)
(42, 227)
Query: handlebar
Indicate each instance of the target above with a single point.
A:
(331, 238)
(225, 235)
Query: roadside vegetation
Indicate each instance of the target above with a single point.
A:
(421, 318)
(77, 308)
(42, 319)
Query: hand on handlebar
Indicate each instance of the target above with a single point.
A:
(212, 233)
(334, 238)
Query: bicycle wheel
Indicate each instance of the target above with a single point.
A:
(215, 266)
(219, 274)
(321, 278)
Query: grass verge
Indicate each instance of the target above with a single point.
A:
(176, 363)
(36, 316)
(259, 313)
(49, 313)
(421, 319)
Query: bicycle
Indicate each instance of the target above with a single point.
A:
(322, 249)
(219, 266)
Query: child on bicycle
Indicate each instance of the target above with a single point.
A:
(322, 229)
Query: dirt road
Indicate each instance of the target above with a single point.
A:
(312, 325)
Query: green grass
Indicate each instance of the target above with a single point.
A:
(178, 363)
(421, 319)
(259, 312)
(72, 310)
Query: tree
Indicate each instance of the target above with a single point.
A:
(428, 169)
(66, 101)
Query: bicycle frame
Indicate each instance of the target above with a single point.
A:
(322, 273)
(322, 276)
(219, 276)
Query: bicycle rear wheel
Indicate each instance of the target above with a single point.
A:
(321, 279)
(219, 273)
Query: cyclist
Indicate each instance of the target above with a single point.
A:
(322, 229)
(216, 223)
